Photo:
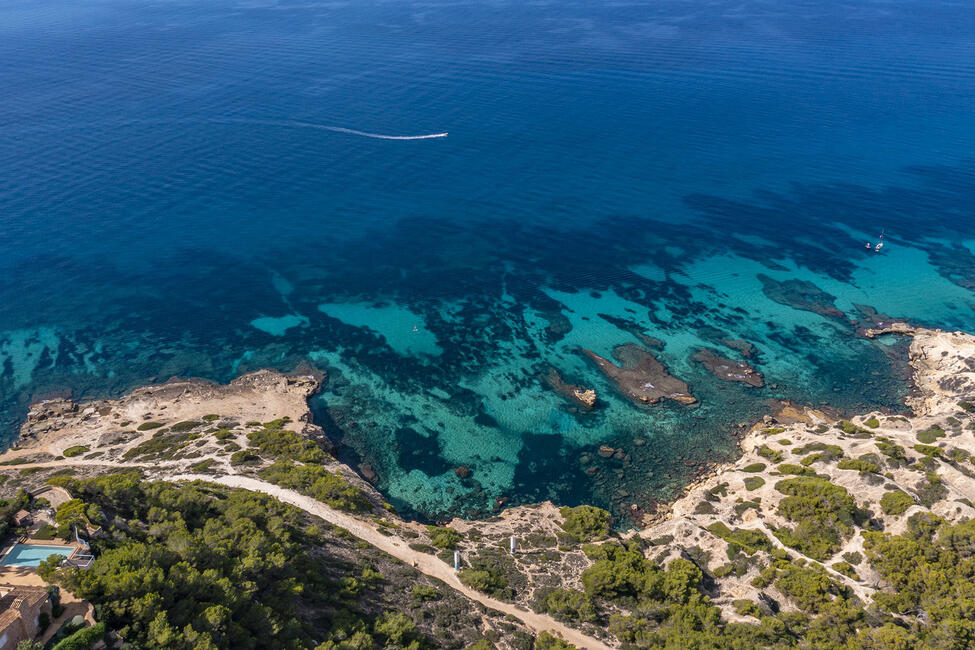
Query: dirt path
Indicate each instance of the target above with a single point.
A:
(863, 592)
(423, 562)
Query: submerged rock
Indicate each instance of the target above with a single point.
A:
(635, 329)
(641, 377)
(873, 323)
(801, 294)
(729, 370)
(369, 473)
(605, 451)
(747, 349)
(462, 472)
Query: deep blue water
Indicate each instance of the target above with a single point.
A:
(667, 168)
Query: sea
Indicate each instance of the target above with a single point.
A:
(439, 202)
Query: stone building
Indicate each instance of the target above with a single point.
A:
(20, 611)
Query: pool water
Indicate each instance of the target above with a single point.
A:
(32, 554)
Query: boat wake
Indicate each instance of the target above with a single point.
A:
(377, 136)
(341, 129)
(231, 120)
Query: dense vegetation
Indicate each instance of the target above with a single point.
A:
(317, 482)
(203, 566)
(274, 441)
(584, 523)
(931, 568)
(824, 514)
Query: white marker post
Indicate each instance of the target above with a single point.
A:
(456, 560)
(512, 544)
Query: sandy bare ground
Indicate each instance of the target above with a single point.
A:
(397, 548)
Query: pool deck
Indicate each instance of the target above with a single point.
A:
(32, 542)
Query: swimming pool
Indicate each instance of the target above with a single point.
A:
(32, 554)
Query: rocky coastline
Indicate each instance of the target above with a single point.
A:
(922, 458)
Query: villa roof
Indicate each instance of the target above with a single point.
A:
(21, 606)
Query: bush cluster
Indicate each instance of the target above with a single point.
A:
(317, 482)
(585, 523)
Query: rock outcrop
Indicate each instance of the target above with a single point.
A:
(728, 369)
(55, 425)
(641, 377)
(579, 395)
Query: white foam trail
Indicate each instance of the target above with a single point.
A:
(340, 129)
(233, 120)
(377, 136)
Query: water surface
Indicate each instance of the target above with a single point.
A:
(196, 189)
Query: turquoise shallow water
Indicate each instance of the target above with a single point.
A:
(176, 200)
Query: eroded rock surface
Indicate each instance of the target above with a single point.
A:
(728, 369)
(641, 377)
(584, 397)
(261, 396)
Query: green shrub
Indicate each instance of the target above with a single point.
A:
(748, 540)
(873, 423)
(317, 482)
(753, 468)
(930, 435)
(740, 508)
(77, 450)
(770, 454)
(754, 482)
(585, 523)
(824, 513)
(202, 466)
(853, 557)
(278, 443)
(243, 456)
(807, 586)
(146, 426)
(858, 464)
(567, 604)
(810, 459)
(930, 490)
(845, 569)
(424, 593)
(798, 470)
(895, 453)
(929, 450)
(485, 581)
(210, 418)
(832, 450)
(83, 639)
(966, 406)
(443, 537)
(546, 641)
(162, 445)
(747, 608)
(721, 488)
(847, 427)
(704, 508)
(183, 427)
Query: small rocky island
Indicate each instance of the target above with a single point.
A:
(641, 377)
(728, 369)
(826, 532)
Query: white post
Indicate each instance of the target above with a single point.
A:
(456, 560)
(512, 544)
